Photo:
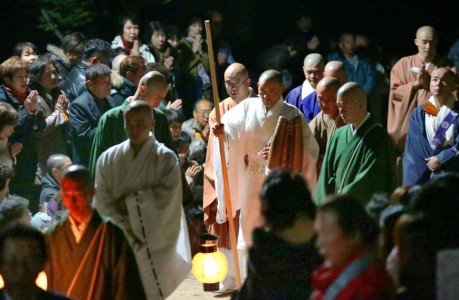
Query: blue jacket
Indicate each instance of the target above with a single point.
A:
(364, 75)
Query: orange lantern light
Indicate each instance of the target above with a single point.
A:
(209, 265)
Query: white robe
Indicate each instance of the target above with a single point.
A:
(248, 128)
(151, 182)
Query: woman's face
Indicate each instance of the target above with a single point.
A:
(158, 40)
(336, 248)
(6, 132)
(194, 29)
(48, 79)
(28, 55)
(19, 81)
(130, 31)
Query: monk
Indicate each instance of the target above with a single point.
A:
(359, 159)
(433, 139)
(324, 125)
(237, 84)
(304, 97)
(409, 87)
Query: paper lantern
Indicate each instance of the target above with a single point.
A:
(209, 265)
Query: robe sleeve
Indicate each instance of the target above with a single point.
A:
(99, 144)
(310, 156)
(326, 183)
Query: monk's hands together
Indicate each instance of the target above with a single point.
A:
(218, 129)
(422, 79)
(433, 163)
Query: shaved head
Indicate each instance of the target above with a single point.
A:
(272, 76)
(153, 79)
(313, 60)
(237, 82)
(152, 88)
(426, 41)
(326, 90)
(236, 69)
(352, 103)
(336, 69)
(443, 82)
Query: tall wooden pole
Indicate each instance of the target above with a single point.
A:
(229, 210)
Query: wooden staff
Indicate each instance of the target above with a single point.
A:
(229, 210)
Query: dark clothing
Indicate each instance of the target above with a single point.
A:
(75, 83)
(49, 188)
(278, 269)
(85, 112)
(117, 276)
(27, 131)
(43, 295)
(60, 60)
(121, 92)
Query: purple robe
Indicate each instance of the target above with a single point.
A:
(309, 106)
(417, 148)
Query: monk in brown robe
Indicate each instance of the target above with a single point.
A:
(89, 258)
(335, 68)
(328, 120)
(409, 87)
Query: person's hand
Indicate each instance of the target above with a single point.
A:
(192, 170)
(422, 79)
(218, 129)
(205, 133)
(169, 62)
(176, 105)
(313, 43)
(135, 48)
(265, 152)
(62, 103)
(433, 163)
(31, 102)
(197, 44)
(15, 149)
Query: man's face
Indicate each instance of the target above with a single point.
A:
(201, 113)
(59, 173)
(441, 84)
(154, 96)
(18, 81)
(48, 79)
(427, 44)
(237, 86)
(20, 262)
(100, 87)
(349, 108)
(347, 44)
(138, 126)
(331, 242)
(77, 197)
(304, 24)
(327, 101)
(176, 129)
(313, 74)
(270, 93)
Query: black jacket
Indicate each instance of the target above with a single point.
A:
(277, 269)
(27, 131)
(122, 90)
(75, 83)
(85, 113)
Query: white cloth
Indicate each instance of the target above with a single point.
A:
(150, 180)
(306, 89)
(432, 122)
(249, 127)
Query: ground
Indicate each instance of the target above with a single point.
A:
(192, 289)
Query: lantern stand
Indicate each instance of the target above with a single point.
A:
(209, 265)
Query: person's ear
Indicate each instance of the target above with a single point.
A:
(416, 42)
(94, 60)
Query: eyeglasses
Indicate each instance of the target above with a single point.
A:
(235, 84)
(204, 113)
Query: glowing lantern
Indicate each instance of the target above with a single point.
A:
(209, 265)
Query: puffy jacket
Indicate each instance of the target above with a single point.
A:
(75, 83)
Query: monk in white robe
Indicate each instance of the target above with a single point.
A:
(409, 87)
(249, 127)
(137, 188)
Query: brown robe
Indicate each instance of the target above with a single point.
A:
(210, 195)
(117, 275)
(322, 127)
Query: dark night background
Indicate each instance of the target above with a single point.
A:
(252, 26)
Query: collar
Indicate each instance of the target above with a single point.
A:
(306, 89)
(354, 131)
(275, 110)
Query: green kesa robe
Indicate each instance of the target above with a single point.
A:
(110, 132)
(117, 275)
(359, 165)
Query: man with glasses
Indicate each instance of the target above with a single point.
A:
(198, 126)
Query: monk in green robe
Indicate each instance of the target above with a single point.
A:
(360, 158)
(110, 130)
